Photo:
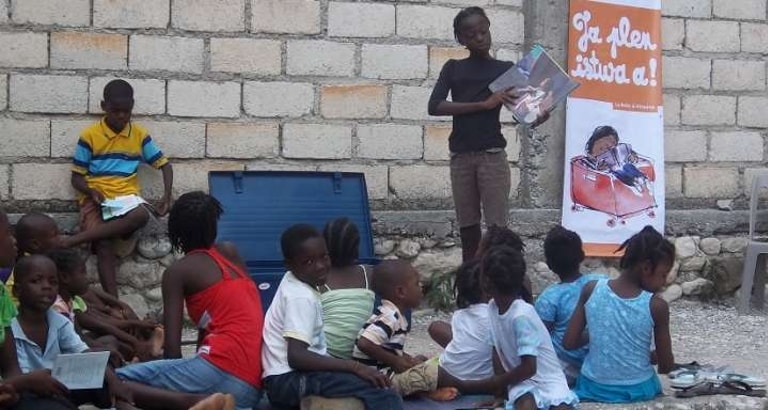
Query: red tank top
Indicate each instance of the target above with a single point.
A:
(230, 313)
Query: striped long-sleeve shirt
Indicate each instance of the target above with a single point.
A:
(387, 327)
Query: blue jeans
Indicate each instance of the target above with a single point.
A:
(193, 375)
(287, 390)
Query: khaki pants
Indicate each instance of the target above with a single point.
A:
(481, 179)
(419, 378)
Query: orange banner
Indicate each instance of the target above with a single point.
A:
(614, 51)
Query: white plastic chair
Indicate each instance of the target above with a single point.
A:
(754, 253)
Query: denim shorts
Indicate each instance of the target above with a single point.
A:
(192, 375)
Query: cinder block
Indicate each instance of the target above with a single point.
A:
(508, 26)
(74, 49)
(671, 109)
(438, 56)
(516, 3)
(318, 141)
(193, 175)
(131, 13)
(23, 49)
(390, 141)
(508, 54)
(436, 142)
(513, 143)
(705, 182)
(285, 16)
(715, 36)
(752, 111)
(149, 95)
(684, 72)
(360, 19)
(738, 75)
(209, 15)
(178, 139)
(3, 20)
(48, 93)
(739, 10)
(353, 101)
(672, 33)
(420, 181)
(466, 2)
(204, 99)
(296, 99)
(687, 8)
(3, 91)
(685, 146)
(246, 56)
(52, 12)
(410, 103)
(736, 146)
(426, 22)
(394, 61)
(35, 181)
(232, 140)
(673, 181)
(64, 136)
(514, 182)
(23, 138)
(376, 176)
(5, 178)
(709, 110)
(749, 176)
(320, 57)
(166, 53)
(754, 37)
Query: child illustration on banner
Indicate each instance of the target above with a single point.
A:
(612, 178)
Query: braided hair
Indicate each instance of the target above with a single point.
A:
(503, 270)
(646, 245)
(66, 260)
(466, 287)
(193, 220)
(563, 251)
(501, 236)
(463, 14)
(343, 240)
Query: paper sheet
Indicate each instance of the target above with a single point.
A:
(81, 371)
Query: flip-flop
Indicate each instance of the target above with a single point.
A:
(699, 389)
(729, 388)
(751, 381)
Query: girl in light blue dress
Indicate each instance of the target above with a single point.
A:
(623, 318)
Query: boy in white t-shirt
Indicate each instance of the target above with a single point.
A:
(294, 356)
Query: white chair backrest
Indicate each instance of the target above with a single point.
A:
(759, 183)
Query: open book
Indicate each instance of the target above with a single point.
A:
(538, 82)
(121, 205)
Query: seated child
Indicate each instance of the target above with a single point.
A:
(41, 334)
(381, 341)
(294, 356)
(623, 318)
(36, 233)
(134, 337)
(521, 343)
(564, 253)
(106, 160)
(600, 143)
(467, 354)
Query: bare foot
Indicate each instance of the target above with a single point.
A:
(121, 405)
(157, 341)
(215, 401)
(229, 402)
(443, 394)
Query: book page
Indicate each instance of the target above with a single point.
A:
(80, 371)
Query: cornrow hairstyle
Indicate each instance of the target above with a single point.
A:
(118, 90)
(463, 14)
(467, 288)
(193, 221)
(503, 269)
(343, 241)
(563, 251)
(294, 237)
(502, 236)
(600, 132)
(66, 260)
(646, 245)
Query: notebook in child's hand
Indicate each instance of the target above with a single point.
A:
(538, 82)
(121, 205)
(81, 371)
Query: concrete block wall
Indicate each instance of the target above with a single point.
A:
(343, 85)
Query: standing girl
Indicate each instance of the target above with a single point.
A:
(480, 174)
(623, 318)
(521, 344)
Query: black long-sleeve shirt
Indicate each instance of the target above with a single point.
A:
(467, 80)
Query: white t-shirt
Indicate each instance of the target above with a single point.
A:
(295, 313)
(520, 332)
(468, 356)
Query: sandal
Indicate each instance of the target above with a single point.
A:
(728, 387)
(740, 378)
